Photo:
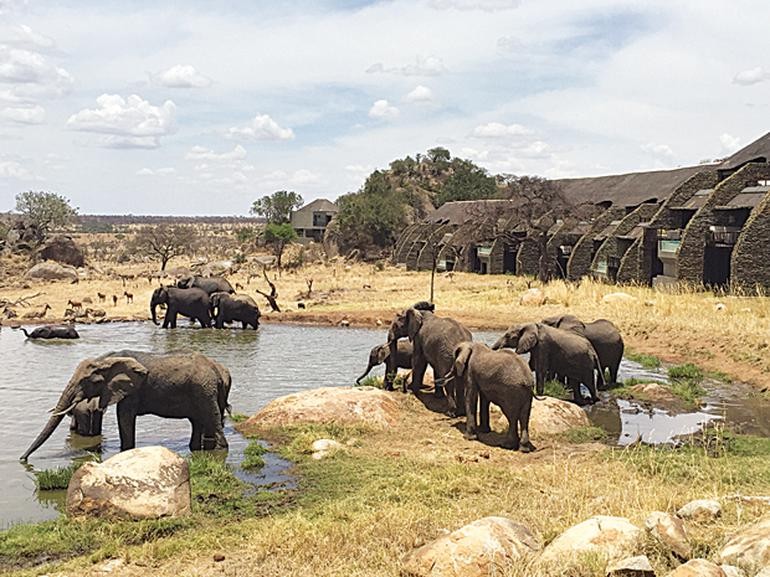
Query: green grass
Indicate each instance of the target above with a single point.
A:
(55, 479)
(589, 434)
(371, 381)
(557, 390)
(238, 417)
(647, 361)
(687, 371)
(686, 383)
(252, 456)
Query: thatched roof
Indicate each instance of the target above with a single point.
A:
(461, 211)
(759, 150)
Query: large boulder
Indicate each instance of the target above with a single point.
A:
(669, 531)
(700, 510)
(638, 566)
(698, 568)
(749, 547)
(551, 416)
(64, 250)
(340, 405)
(144, 483)
(52, 271)
(613, 537)
(482, 548)
(618, 298)
(533, 297)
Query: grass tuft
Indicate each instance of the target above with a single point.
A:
(252, 456)
(647, 361)
(686, 383)
(587, 434)
(54, 479)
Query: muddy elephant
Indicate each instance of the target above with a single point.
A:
(226, 308)
(556, 351)
(192, 302)
(52, 332)
(177, 386)
(500, 377)
(433, 341)
(603, 335)
(209, 284)
(381, 354)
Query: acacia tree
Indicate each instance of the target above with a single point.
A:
(45, 211)
(467, 182)
(164, 241)
(277, 207)
(278, 236)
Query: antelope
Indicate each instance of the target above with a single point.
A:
(129, 297)
(37, 314)
(114, 300)
(75, 304)
(102, 297)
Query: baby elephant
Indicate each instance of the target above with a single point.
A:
(381, 353)
(52, 332)
(501, 377)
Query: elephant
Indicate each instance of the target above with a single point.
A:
(556, 351)
(52, 332)
(501, 377)
(87, 418)
(177, 386)
(225, 307)
(381, 354)
(433, 340)
(193, 303)
(209, 284)
(604, 336)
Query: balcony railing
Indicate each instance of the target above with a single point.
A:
(724, 235)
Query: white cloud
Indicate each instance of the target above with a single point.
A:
(729, 142)
(34, 114)
(751, 76)
(499, 130)
(662, 151)
(420, 94)
(261, 127)
(23, 36)
(131, 122)
(485, 5)
(182, 76)
(383, 109)
(202, 153)
(304, 176)
(145, 172)
(165, 171)
(423, 66)
(12, 169)
(33, 71)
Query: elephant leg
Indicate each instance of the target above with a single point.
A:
(459, 395)
(213, 434)
(196, 438)
(167, 318)
(577, 396)
(524, 412)
(418, 372)
(512, 415)
(591, 384)
(483, 413)
(244, 325)
(127, 424)
(614, 373)
(471, 400)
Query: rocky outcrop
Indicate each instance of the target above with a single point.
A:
(638, 566)
(63, 249)
(733, 571)
(144, 483)
(669, 531)
(482, 548)
(613, 537)
(339, 405)
(750, 547)
(698, 568)
(52, 271)
(700, 510)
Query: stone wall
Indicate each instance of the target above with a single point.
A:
(609, 247)
(579, 263)
(691, 248)
(750, 262)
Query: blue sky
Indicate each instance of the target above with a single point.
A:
(194, 108)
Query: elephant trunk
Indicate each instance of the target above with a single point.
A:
(153, 306)
(499, 344)
(68, 399)
(366, 372)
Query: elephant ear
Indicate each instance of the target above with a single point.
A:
(122, 376)
(383, 352)
(462, 356)
(413, 322)
(527, 339)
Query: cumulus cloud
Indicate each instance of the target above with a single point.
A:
(486, 5)
(662, 151)
(202, 153)
(420, 94)
(729, 142)
(23, 36)
(261, 127)
(34, 114)
(751, 76)
(423, 66)
(499, 130)
(131, 122)
(165, 171)
(24, 67)
(12, 169)
(383, 109)
(182, 76)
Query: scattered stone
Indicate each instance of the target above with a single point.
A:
(52, 271)
(638, 566)
(344, 323)
(533, 297)
(750, 546)
(323, 447)
(482, 548)
(63, 249)
(698, 568)
(733, 571)
(110, 566)
(701, 510)
(764, 572)
(341, 405)
(618, 298)
(615, 537)
(669, 531)
(144, 483)
(720, 307)
(218, 557)
(657, 394)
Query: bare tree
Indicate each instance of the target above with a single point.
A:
(272, 298)
(164, 241)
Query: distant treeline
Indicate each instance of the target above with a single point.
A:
(91, 220)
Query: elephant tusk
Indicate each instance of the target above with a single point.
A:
(55, 413)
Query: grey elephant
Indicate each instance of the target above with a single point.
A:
(433, 341)
(226, 308)
(193, 303)
(555, 351)
(501, 377)
(177, 386)
(87, 418)
(381, 354)
(603, 335)
(209, 284)
(52, 332)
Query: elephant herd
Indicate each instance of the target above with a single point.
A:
(472, 375)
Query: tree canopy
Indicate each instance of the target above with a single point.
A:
(45, 210)
(164, 241)
(466, 182)
(278, 235)
(277, 207)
